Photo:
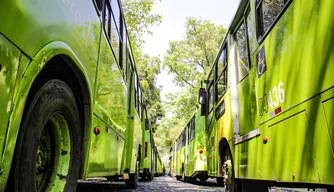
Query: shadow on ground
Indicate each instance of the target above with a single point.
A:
(160, 184)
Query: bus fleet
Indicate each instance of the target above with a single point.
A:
(268, 102)
(70, 99)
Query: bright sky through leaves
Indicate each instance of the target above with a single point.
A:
(174, 14)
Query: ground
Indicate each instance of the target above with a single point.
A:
(160, 184)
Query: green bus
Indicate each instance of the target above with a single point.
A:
(269, 98)
(147, 159)
(158, 164)
(189, 160)
(70, 104)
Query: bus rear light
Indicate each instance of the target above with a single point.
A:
(201, 151)
(97, 130)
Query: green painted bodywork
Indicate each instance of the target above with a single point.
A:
(297, 120)
(72, 29)
(180, 159)
(159, 166)
(147, 139)
(197, 162)
(194, 163)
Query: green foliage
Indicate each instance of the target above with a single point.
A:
(189, 60)
(139, 20)
(148, 69)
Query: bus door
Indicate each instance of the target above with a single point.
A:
(209, 122)
(223, 97)
(246, 76)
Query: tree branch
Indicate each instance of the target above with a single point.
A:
(185, 81)
(200, 64)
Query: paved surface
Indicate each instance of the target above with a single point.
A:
(160, 184)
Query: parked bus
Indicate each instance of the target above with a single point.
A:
(70, 103)
(158, 165)
(147, 159)
(189, 151)
(269, 98)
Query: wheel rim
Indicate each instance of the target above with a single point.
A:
(53, 155)
(227, 170)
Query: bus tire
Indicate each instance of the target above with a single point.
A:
(132, 182)
(149, 177)
(183, 176)
(192, 180)
(203, 178)
(230, 184)
(47, 155)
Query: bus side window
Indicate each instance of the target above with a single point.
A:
(192, 129)
(267, 12)
(116, 13)
(112, 31)
(221, 74)
(98, 4)
(115, 39)
(139, 100)
(136, 91)
(242, 52)
(107, 20)
(124, 45)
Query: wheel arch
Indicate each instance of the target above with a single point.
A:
(223, 146)
(62, 67)
(42, 68)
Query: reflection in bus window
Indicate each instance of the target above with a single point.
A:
(192, 129)
(267, 12)
(250, 32)
(107, 20)
(116, 12)
(222, 74)
(242, 56)
(114, 39)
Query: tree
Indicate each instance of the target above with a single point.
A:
(148, 70)
(139, 20)
(189, 60)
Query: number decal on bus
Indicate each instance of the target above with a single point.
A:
(273, 99)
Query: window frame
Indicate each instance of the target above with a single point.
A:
(119, 32)
(225, 68)
(108, 31)
(258, 6)
(99, 9)
(192, 128)
(242, 21)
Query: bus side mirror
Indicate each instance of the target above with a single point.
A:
(202, 96)
(147, 124)
(202, 99)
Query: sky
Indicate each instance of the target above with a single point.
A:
(174, 14)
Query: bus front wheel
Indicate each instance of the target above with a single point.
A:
(132, 182)
(227, 173)
(47, 155)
